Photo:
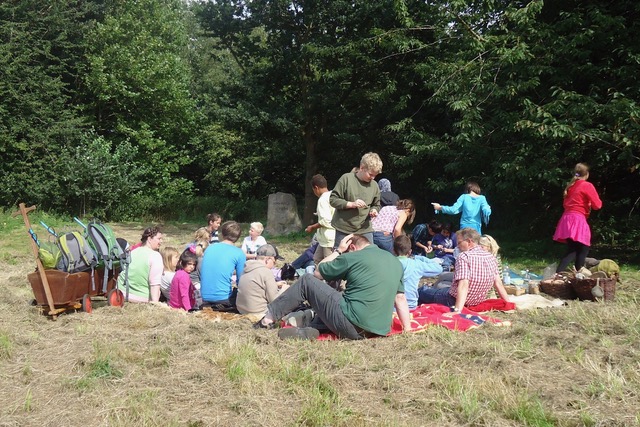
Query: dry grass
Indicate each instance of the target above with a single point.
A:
(146, 365)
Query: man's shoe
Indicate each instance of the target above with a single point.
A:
(298, 333)
(260, 325)
(299, 319)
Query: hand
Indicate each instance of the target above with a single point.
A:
(309, 229)
(373, 213)
(428, 249)
(344, 243)
(437, 206)
(360, 204)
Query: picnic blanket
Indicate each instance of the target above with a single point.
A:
(426, 315)
(494, 304)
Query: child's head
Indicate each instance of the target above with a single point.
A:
(255, 229)
(170, 257)
(201, 240)
(489, 244)
(370, 166)
(408, 206)
(402, 245)
(230, 231)
(213, 221)
(434, 227)
(473, 186)
(446, 229)
(318, 183)
(581, 170)
(188, 261)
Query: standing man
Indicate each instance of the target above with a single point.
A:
(325, 233)
(356, 198)
(476, 271)
(364, 310)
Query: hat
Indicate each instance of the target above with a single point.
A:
(268, 250)
(384, 184)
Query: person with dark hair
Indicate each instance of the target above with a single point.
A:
(422, 235)
(444, 244)
(390, 221)
(219, 264)
(476, 272)
(387, 197)
(473, 205)
(580, 197)
(325, 233)
(365, 308)
(213, 224)
(182, 290)
(414, 268)
(145, 270)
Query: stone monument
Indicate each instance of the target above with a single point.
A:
(282, 215)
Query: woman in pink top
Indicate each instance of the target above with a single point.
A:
(182, 290)
(388, 224)
(580, 197)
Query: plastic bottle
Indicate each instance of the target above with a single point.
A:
(506, 276)
(526, 279)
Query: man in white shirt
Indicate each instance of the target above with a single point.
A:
(325, 233)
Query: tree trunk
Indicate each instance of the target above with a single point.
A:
(311, 167)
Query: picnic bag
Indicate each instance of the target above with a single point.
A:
(75, 253)
(107, 248)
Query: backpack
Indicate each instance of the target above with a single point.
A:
(287, 272)
(49, 254)
(107, 248)
(75, 254)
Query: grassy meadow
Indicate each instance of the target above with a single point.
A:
(146, 365)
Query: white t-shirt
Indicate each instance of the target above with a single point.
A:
(251, 246)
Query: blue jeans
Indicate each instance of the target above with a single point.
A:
(430, 295)
(323, 299)
(383, 241)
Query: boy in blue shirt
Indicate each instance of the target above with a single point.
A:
(415, 268)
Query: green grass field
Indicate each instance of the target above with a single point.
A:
(145, 365)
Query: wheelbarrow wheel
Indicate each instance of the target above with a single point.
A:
(115, 298)
(86, 304)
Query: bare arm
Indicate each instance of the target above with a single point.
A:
(402, 218)
(463, 291)
(342, 247)
(497, 284)
(403, 311)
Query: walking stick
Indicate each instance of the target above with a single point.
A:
(34, 247)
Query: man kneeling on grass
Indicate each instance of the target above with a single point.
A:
(364, 310)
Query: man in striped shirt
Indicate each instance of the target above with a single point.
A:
(476, 271)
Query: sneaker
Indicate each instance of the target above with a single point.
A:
(260, 325)
(299, 319)
(298, 333)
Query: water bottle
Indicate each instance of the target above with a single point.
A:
(506, 276)
(525, 280)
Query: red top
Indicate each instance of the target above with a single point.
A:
(581, 198)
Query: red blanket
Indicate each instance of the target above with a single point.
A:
(435, 314)
(493, 304)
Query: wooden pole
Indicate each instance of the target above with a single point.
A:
(34, 247)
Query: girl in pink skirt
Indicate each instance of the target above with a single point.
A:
(580, 197)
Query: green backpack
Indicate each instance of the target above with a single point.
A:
(49, 254)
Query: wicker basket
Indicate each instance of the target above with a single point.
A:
(558, 288)
(583, 288)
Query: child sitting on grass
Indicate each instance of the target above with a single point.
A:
(415, 268)
(444, 244)
(254, 240)
(170, 258)
(421, 237)
(182, 290)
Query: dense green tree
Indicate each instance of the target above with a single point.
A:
(139, 82)
(41, 47)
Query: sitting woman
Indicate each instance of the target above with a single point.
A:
(145, 270)
(388, 224)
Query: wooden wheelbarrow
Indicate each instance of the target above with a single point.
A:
(57, 291)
